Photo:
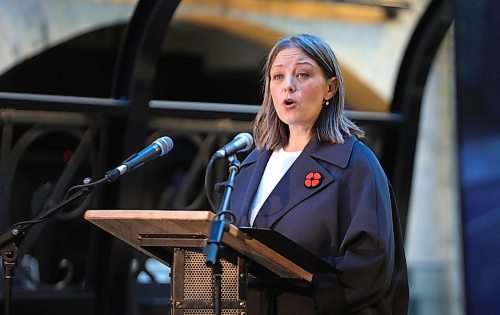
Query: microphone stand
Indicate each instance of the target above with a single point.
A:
(217, 228)
(11, 240)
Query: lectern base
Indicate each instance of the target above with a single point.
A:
(193, 285)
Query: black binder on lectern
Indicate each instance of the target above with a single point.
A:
(289, 249)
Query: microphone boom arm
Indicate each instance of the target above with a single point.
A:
(11, 240)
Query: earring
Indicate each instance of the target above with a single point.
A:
(327, 103)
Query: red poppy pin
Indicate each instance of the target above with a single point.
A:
(313, 179)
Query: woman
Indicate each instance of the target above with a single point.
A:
(312, 180)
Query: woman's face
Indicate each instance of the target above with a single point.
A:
(298, 88)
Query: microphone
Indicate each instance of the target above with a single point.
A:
(241, 143)
(159, 147)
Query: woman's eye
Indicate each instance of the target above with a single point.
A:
(303, 75)
(277, 76)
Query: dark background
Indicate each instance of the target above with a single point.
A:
(50, 143)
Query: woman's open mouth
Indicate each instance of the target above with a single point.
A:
(289, 102)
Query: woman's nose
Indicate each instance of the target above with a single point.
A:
(289, 83)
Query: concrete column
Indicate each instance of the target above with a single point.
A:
(433, 234)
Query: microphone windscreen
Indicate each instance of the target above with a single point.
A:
(165, 143)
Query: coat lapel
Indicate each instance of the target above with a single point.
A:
(291, 190)
(252, 182)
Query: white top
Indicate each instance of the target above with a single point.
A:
(278, 164)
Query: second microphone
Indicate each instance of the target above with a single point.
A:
(241, 143)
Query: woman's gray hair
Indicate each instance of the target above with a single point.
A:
(332, 125)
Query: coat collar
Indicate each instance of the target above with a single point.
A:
(337, 154)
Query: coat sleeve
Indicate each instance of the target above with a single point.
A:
(366, 241)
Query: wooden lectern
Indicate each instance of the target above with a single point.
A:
(177, 238)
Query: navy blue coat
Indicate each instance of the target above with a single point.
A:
(346, 218)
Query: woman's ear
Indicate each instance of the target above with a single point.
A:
(333, 86)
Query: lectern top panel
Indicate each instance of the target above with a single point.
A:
(174, 228)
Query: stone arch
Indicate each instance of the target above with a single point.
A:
(360, 96)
